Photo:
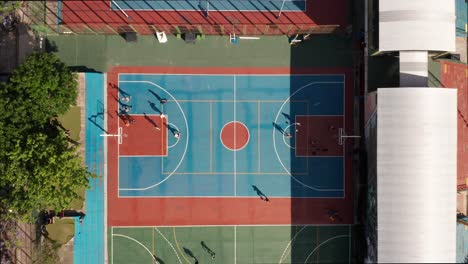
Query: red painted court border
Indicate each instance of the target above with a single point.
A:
(155, 211)
(143, 138)
(318, 136)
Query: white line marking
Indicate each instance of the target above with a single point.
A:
(235, 156)
(229, 196)
(106, 253)
(235, 244)
(277, 225)
(112, 244)
(186, 143)
(235, 143)
(134, 240)
(317, 247)
(289, 244)
(173, 145)
(274, 139)
(170, 244)
(284, 138)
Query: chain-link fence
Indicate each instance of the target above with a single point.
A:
(97, 17)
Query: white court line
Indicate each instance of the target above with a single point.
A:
(112, 244)
(177, 141)
(106, 253)
(229, 196)
(186, 143)
(170, 244)
(274, 138)
(317, 247)
(235, 244)
(277, 225)
(289, 244)
(134, 240)
(235, 145)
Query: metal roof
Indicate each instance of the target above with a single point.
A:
(416, 174)
(417, 25)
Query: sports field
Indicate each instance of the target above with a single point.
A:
(246, 160)
(231, 244)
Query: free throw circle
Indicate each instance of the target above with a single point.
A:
(235, 135)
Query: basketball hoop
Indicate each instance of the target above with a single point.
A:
(119, 135)
(342, 136)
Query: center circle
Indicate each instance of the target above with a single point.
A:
(234, 135)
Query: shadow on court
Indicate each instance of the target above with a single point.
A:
(154, 107)
(324, 52)
(190, 254)
(260, 194)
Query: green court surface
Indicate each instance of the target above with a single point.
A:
(98, 52)
(230, 244)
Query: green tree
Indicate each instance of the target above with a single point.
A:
(8, 6)
(39, 166)
(40, 88)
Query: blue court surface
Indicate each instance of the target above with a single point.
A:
(199, 164)
(210, 5)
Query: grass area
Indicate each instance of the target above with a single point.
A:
(61, 231)
(71, 121)
(64, 229)
(77, 204)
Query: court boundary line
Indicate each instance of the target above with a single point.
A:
(134, 240)
(263, 225)
(230, 74)
(105, 164)
(300, 10)
(274, 138)
(231, 196)
(235, 244)
(234, 75)
(186, 143)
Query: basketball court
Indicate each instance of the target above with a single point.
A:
(249, 161)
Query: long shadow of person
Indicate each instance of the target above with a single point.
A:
(288, 117)
(172, 129)
(150, 120)
(208, 250)
(260, 194)
(154, 107)
(155, 95)
(158, 260)
(190, 254)
(280, 129)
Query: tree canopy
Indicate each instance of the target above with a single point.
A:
(39, 166)
(7, 6)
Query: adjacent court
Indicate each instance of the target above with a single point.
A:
(207, 5)
(230, 244)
